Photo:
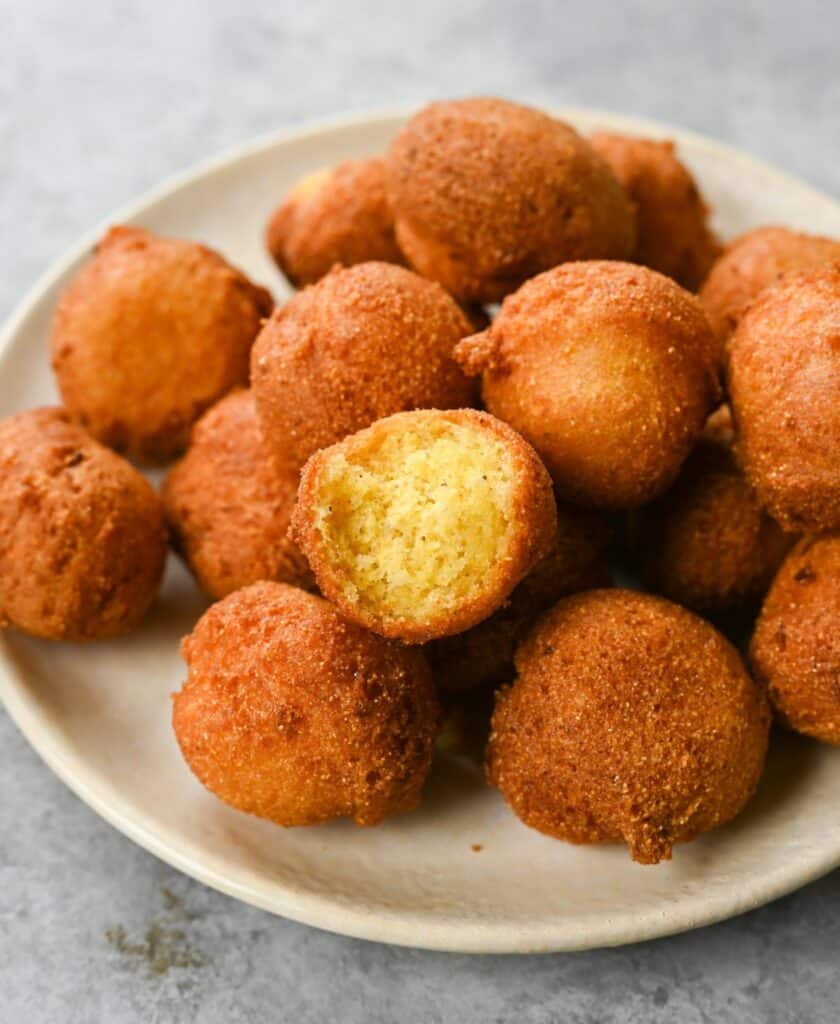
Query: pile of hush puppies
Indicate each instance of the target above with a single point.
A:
(407, 501)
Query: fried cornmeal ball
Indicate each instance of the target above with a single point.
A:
(360, 344)
(336, 215)
(228, 505)
(149, 334)
(784, 384)
(608, 369)
(795, 650)
(706, 543)
(487, 193)
(82, 536)
(293, 714)
(671, 216)
(483, 655)
(753, 261)
(631, 720)
(421, 525)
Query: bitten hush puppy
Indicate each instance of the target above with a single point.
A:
(706, 543)
(673, 234)
(795, 650)
(608, 369)
(487, 193)
(149, 334)
(228, 506)
(483, 655)
(421, 525)
(340, 215)
(82, 536)
(293, 714)
(784, 383)
(631, 720)
(753, 261)
(361, 344)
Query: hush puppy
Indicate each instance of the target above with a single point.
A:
(608, 369)
(673, 235)
(229, 507)
(483, 655)
(784, 383)
(149, 334)
(706, 543)
(421, 525)
(753, 261)
(293, 714)
(338, 215)
(360, 344)
(82, 535)
(630, 720)
(795, 650)
(487, 193)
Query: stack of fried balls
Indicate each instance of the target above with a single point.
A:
(405, 498)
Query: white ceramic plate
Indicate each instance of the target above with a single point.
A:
(99, 714)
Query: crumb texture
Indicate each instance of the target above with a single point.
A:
(421, 520)
(422, 525)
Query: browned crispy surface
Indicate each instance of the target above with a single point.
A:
(344, 217)
(795, 650)
(483, 655)
(705, 543)
(784, 383)
(361, 344)
(753, 261)
(82, 537)
(293, 714)
(229, 507)
(673, 235)
(631, 719)
(532, 512)
(487, 193)
(608, 369)
(149, 334)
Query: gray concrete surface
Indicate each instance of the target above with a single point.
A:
(100, 101)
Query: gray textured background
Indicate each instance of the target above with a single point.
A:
(98, 102)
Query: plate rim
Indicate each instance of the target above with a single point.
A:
(321, 911)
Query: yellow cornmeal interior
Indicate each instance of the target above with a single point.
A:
(418, 517)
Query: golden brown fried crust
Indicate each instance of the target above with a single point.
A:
(608, 369)
(149, 334)
(483, 655)
(673, 234)
(361, 344)
(631, 719)
(753, 261)
(784, 383)
(487, 193)
(82, 536)
(345, 218)
(295, 715)
(706, 543)
(795, 650)
(533, 511)
(229, 507)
